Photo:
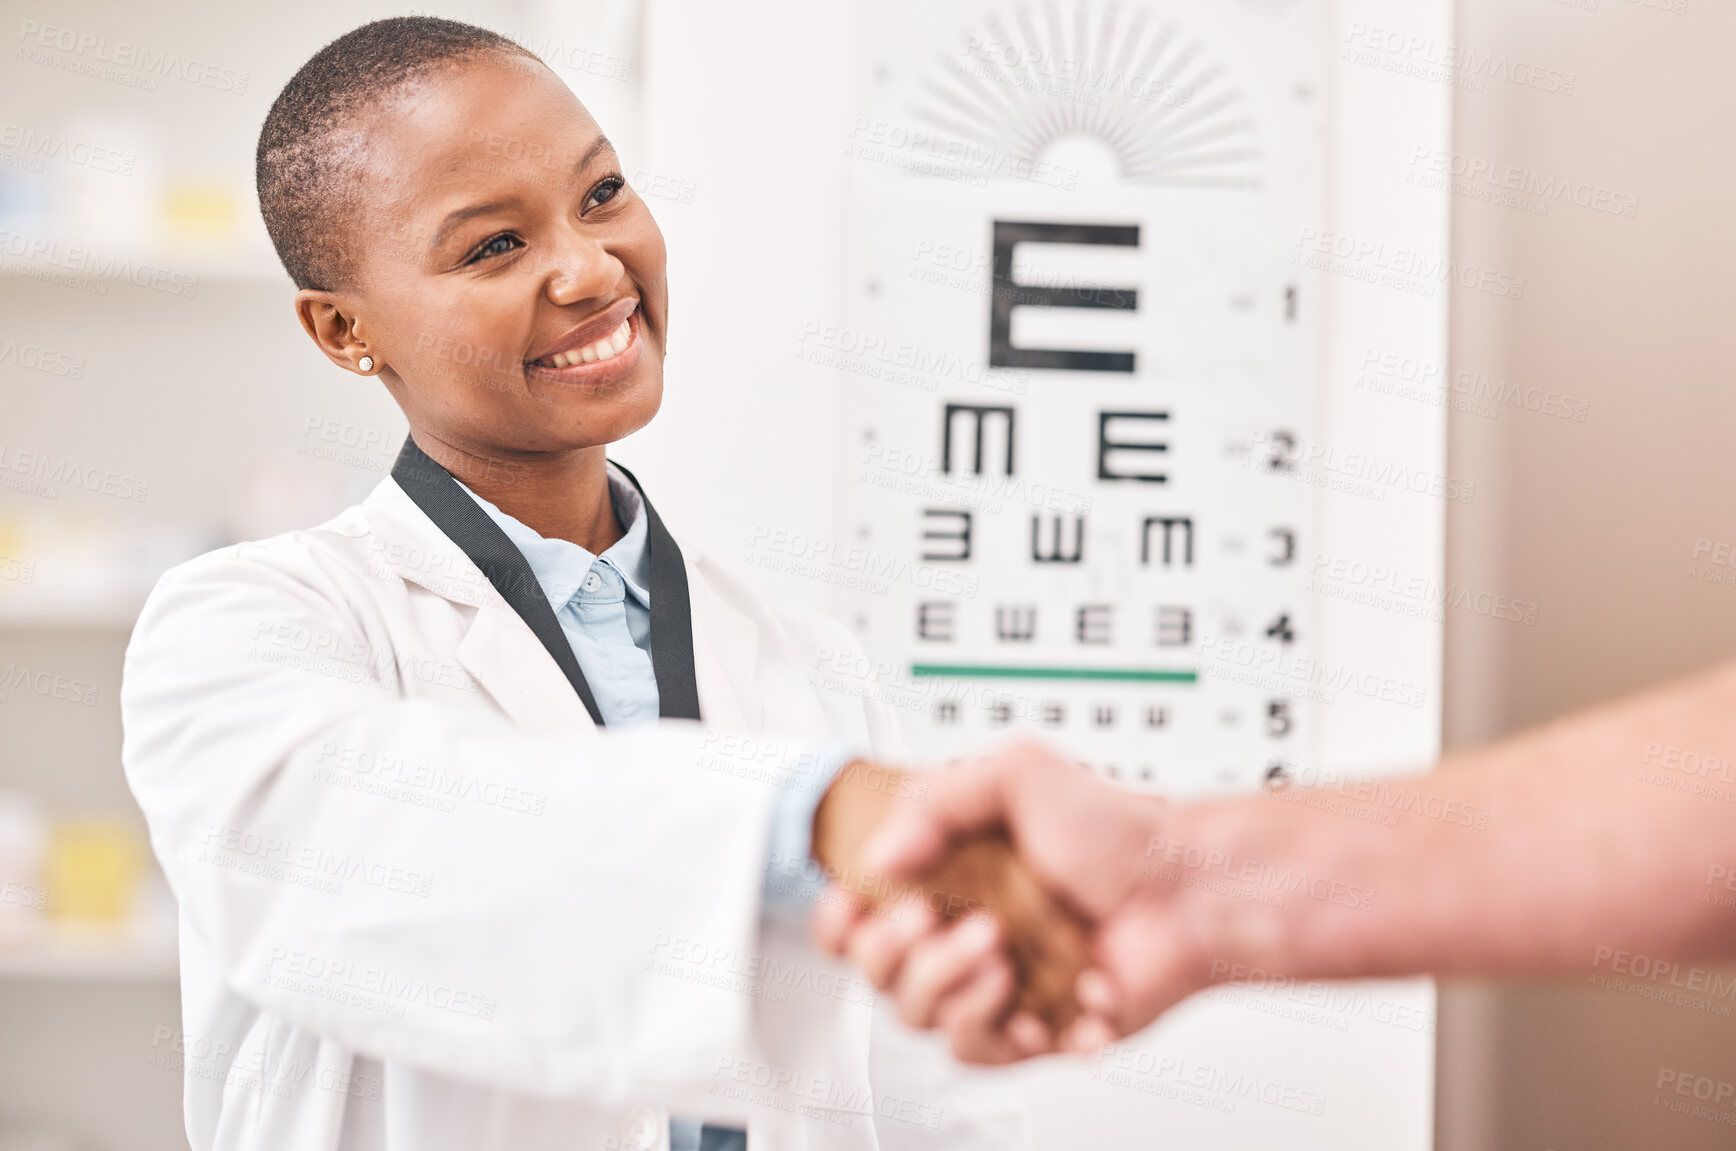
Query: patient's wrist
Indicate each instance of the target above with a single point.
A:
(1231, 879)
(1275, 888)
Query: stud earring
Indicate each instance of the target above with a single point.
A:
(366, 363)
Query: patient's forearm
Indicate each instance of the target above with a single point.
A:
(1526, 856)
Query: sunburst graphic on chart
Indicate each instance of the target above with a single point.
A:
(1089, 88)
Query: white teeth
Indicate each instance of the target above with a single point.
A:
(606, 348)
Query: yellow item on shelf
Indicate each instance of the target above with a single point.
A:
(92, 869)
(201, 212)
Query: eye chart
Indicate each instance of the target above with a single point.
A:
(1105, 428)
(1083, 360)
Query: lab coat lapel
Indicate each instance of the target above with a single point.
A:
(498, 649)
(725, 657)
(511, 665)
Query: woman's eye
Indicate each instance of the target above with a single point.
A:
(495, 246)
(605, 191)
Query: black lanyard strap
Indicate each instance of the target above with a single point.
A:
(462, 520)
(671, 617)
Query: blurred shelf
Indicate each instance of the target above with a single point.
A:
(206, 268)
(76, 571)
(117, 954)
(54, 613)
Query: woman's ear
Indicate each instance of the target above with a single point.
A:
(327, 318)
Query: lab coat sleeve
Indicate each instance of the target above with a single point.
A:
(428, 883)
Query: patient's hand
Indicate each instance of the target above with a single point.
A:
(991, 899)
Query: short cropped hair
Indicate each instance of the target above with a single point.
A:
(311, 149)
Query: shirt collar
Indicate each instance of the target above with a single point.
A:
(560, 566)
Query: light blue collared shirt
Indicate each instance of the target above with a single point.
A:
(604, 607)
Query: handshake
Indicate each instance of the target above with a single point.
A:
(1007, 903)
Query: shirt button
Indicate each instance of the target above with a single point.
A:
(593, 581)
(640, 1131)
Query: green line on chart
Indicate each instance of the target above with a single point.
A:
(999, 671)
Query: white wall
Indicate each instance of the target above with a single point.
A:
(735, 108)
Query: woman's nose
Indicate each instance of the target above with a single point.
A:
(582, 268)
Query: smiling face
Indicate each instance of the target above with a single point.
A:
(508, 285)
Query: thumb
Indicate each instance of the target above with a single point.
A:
(905, 844)
(956, 804)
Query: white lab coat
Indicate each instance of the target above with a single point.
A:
(426, 904)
